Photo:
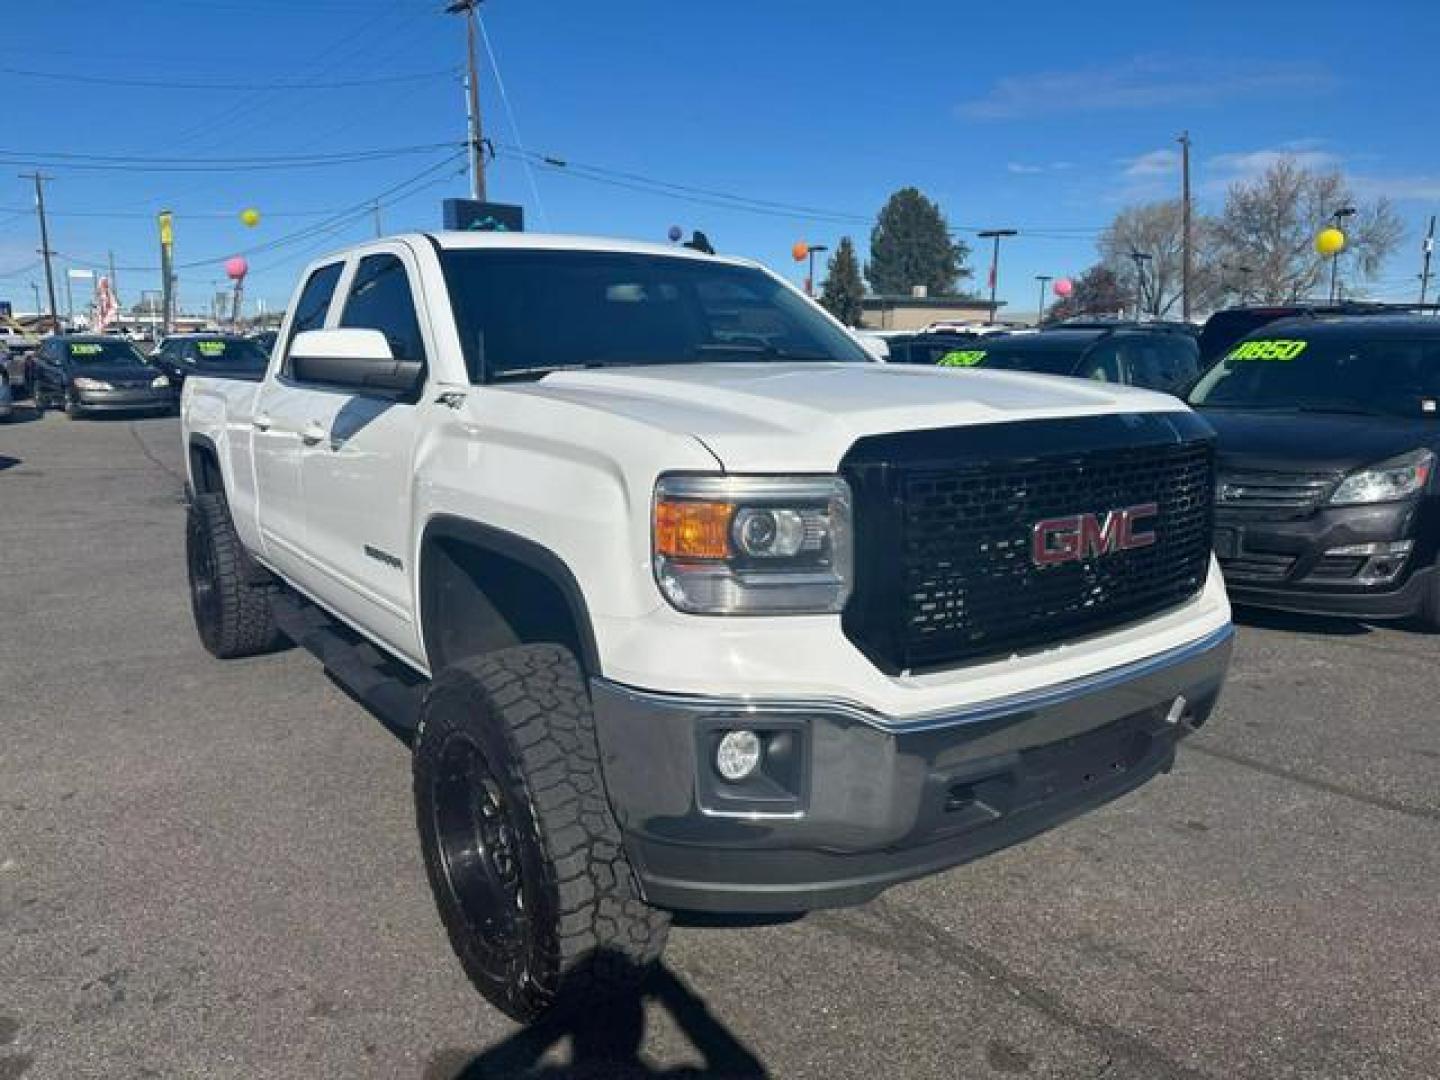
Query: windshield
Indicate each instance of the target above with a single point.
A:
(103, 354)
(233, 354)
(1327, 373)
(523, 313)
(1016, 356)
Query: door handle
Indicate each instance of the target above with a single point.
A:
(261, 422)
(312, 433)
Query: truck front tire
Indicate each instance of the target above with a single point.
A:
(522, 850)
(232, 613)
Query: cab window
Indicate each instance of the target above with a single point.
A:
(380, 299)
(314, 304)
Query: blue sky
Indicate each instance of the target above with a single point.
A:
(1043, 117)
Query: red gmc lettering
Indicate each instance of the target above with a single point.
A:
(1090, 536)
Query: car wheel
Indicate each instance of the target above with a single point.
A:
(232, 612)
(37, 401)
(522, 850)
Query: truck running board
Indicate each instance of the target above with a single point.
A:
(389, 691)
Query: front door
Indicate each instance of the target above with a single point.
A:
(357, 465)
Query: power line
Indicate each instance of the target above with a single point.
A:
(514, 126)
(162, 84)
(120, 163)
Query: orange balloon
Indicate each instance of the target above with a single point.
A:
(800, 251)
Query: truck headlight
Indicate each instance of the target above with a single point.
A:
(159, 382)
(83, 383)
(1394, 479)
(753, 545)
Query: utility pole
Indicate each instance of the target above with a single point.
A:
(996, 235)
(1043, 279)
(472, 88)
(45, 251)
(114, 288)
(1186, 240)
(1429, 247)
(36, 290)
(379, 228)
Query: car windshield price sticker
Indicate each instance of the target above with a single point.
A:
(85, 348)
(211, 349)
(1277, 349)
(962, 358)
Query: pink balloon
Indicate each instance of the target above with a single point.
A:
(1064, 287)
(236, 268)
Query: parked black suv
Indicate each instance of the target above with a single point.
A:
(1153, 356)
(238, 357)
(1226, 327)
(1326, 497)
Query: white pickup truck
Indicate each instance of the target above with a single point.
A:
(685, 602)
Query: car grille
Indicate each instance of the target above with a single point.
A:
(944, 564)
(1270, 495)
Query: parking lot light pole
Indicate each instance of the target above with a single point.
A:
(1338, 218)
(810, 271)
(1043, 279)
(1141, 258)
(996, 235)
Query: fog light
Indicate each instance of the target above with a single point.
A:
(738, 755)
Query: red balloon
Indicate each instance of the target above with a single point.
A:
(1064, 287)
(236, 267)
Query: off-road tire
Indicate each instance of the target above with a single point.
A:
(508, 787)
(232, 611)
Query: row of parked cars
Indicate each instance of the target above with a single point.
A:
(1328, 425)
(95, 373)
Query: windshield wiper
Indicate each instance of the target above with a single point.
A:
(541, 370)
(763, 352)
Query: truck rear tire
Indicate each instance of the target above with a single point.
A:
(522, 850)
(232, 613)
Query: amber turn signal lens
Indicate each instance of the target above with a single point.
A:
(693, 530)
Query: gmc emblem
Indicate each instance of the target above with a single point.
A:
(1089, 536)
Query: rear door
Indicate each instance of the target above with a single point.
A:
(357, 461)
(281, 410)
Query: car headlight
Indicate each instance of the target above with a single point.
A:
(82, 383)
(159, 382)
(1394, 479)
(753, 545)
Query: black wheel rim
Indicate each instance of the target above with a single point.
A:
(476, 842)
(204, 593)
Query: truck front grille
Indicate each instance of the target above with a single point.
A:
(945, 568)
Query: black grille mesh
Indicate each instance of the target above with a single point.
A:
(970, 586)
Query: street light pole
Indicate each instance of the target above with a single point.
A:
(996, 235)
(810, 273)
(472, 90)
(1339, 218)
(1141, 258)
(1043, 279)
(1187, 256)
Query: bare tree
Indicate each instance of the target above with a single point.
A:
(1157, 230)
(1269, 226)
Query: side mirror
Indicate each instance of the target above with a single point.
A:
(359, 359)
(877, 347)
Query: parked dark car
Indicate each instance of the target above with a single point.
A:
(1326, 496)
(929, 347)
(1224, 328)
(210, 354)
(265, 339)
(87, 373)
(1156, 357)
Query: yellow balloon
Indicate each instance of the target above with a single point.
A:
(250, 217)
(1330, 241)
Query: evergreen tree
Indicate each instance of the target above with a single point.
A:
(911, 245)
(843, 287)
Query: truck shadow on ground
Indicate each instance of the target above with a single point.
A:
(605, 1038)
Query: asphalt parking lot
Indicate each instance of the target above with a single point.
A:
(210, 869)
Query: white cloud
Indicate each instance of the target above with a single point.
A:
(1020, 168)
(1401, 188)
(1151, 164)
(1144, 82)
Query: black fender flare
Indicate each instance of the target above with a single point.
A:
(518, 549)
(207, 444)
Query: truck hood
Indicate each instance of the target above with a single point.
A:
(765, 417)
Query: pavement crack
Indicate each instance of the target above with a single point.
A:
(150, 457)
(1380, 802)
(910, 933)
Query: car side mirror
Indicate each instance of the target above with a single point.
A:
(359, 359)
